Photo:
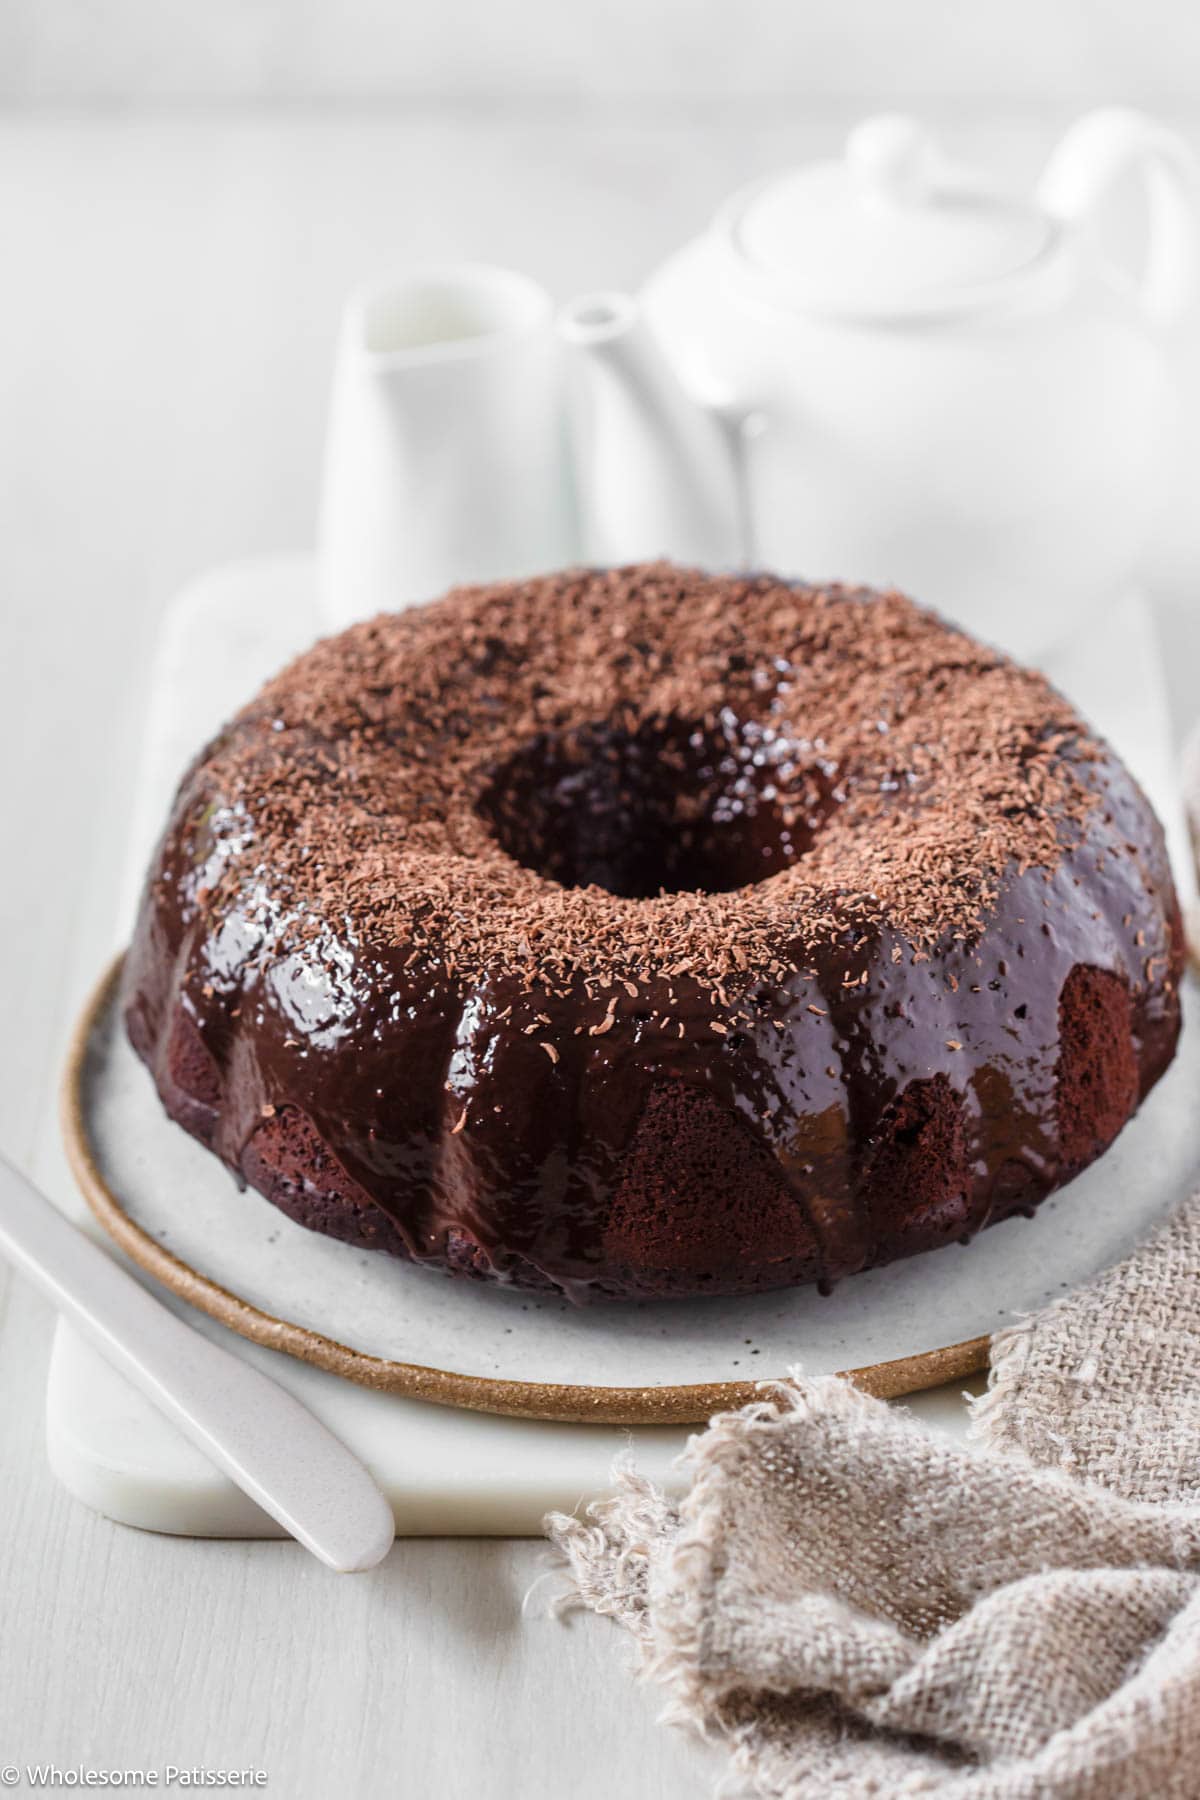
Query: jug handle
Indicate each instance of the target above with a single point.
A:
(1094, 154)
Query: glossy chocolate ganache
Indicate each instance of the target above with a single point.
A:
(648, 932)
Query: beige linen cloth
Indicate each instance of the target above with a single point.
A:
(853, 1607)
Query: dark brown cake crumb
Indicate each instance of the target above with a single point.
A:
(699, 1195)
(1097, 1084)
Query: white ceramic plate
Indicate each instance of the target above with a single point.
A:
(176, 1210)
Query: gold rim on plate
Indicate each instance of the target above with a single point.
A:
(566, 1403)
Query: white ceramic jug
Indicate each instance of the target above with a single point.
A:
(884, 370)
(445, 457)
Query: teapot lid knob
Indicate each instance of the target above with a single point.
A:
(892, 157)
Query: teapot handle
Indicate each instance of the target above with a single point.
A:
(1100, 148)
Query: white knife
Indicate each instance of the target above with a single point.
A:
(260, 1435)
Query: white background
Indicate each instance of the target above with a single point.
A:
(608, 53)
(186, 193)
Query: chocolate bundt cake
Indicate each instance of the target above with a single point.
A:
(646, 932)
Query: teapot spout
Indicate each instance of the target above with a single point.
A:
(656, 468)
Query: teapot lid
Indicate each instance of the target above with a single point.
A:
(891, 230)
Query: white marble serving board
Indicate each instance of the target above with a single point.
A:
(448, 1471)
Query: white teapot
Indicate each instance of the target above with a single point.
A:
(883, 370)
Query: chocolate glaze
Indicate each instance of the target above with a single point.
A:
(888, 1075)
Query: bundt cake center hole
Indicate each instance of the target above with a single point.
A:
(661, 807)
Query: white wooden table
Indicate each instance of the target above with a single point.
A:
(168, 293)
